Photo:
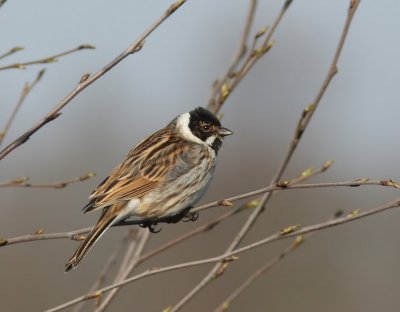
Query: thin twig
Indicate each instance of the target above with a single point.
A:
(23, 182)
(74, 235)
(12, 50)
(231, 256)
(88, 79)
(283, 186)
(304, 121)
(132, 234)
(239, 55)
(224, 202)
(24, 93)
(45, 60)
(145, 235)
(296, 243)
(224, 88)
(129, 252)
(201, 229)
(306, 174)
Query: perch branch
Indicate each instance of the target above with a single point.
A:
(231, 256)
(224, 202)
(284, 186)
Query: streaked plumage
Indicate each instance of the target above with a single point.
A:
(160, 179)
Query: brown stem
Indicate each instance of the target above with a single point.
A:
(132, 235)
(145, 235)
(296, 243)
(224, 202)
(45, 60)
(24, 93)
(231, 256)
(12, 50)
(239, 55)
(304, 121)
(23, 182)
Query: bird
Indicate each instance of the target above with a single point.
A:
(160, 179)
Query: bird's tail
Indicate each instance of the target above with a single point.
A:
(104, 223)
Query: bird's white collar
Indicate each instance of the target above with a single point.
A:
(182, 125)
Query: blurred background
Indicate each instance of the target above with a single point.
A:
(354, 267)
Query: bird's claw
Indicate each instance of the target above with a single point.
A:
(191, 216)
(151, 226)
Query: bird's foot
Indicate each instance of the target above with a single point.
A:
(190, 216)
(151, 226)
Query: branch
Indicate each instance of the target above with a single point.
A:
(88, 79)
(223, 202)
(234, 76)
(45, 60)
(231, 256)
(126, 268)
(296, 243)
(74, 235)
(284, 186)
(132, 234)
(24, 93)
(304, 121)
(12, 50)
(239, 55)
(23, 182)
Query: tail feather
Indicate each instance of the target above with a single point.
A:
(103, 224)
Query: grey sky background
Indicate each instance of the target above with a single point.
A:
(348, 268)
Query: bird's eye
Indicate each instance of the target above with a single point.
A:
(206, 128)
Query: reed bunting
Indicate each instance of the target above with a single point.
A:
(160, 179)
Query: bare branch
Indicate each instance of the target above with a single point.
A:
(89, 79)
(12, 50)
(24, 93)
(234, 76)
(304, 121)
(296, 243)
(285, 186)
(131, 235)
(45, 60)
(23, 182)
(126, 269)
(223, 202)
(239, 55)
(231, 256)
(74, 235)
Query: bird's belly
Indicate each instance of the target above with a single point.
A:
(172, 197)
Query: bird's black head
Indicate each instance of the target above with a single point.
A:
(204, 125)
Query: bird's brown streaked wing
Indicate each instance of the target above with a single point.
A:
(133, 179)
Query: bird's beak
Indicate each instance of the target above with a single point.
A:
(224, 132)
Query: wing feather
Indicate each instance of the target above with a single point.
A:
(143, 169)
